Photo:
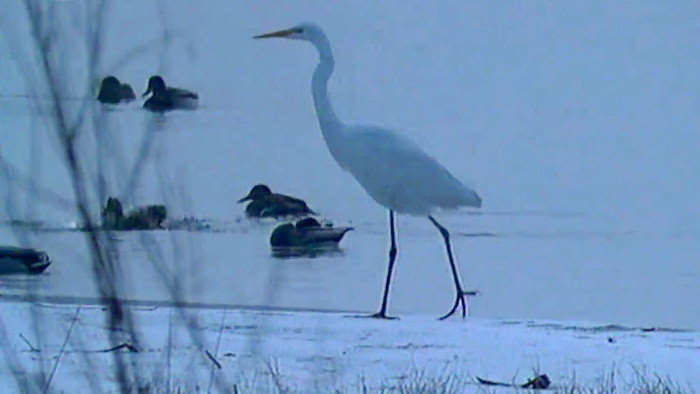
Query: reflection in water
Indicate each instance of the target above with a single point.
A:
(287, 252)
(577, 273)
(21, 280)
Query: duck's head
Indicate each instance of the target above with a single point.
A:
(156, 85)
(285, 236)
(127, 92)
(110, 82)
(257, 192)
(307, 223)
(110, 90)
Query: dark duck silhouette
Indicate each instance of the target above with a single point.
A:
(266, 204)
(150, 217)
(18, 260)
(127, 92)
(165, 98)
(306, 232)
(114, 92)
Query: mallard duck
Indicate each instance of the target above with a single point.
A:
(113, 92)
(150, 217)
(264, 204)
(16, 260)
(306, 232)
(165, 98)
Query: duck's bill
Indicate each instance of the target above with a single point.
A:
(246, 198)
(280, 33)
(146, 92)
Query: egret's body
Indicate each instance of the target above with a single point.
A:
(397, 174)
(392, 169)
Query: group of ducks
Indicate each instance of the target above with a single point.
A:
(306, 232)
(163, 98)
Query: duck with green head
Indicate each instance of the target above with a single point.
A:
(165, 98)
(266, 204)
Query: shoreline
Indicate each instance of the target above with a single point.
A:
(332, 350)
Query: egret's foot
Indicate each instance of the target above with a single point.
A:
(377, 315)
(460, 300)
(382, 315)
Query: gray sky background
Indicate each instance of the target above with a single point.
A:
(547, 106)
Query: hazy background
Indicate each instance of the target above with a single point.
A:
(576, 122)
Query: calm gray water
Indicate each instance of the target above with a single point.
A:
(596, 276)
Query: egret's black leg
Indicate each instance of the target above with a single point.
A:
(458, 286)
(392, 257)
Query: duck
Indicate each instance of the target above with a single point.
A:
(112, 91)
(127, 92)
(264, 204)
(165, 98)
(150, 217)
(16, 260)
(308, 233)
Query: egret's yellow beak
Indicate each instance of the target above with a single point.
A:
(281, 33)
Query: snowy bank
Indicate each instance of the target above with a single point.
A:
(264, 350)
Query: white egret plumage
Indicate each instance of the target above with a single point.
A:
(392, 169)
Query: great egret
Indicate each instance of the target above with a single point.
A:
(392, 169)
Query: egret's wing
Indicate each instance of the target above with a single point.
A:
(398, 174)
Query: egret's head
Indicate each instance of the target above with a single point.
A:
(304, 31)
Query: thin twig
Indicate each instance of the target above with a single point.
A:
(12, 361)
(169, 350)
(63, 347)
(212, 359)
(216, 349)
(31, 347)
(124, 345)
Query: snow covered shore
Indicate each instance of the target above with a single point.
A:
(262, 351)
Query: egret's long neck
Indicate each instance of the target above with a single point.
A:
(330, 125)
